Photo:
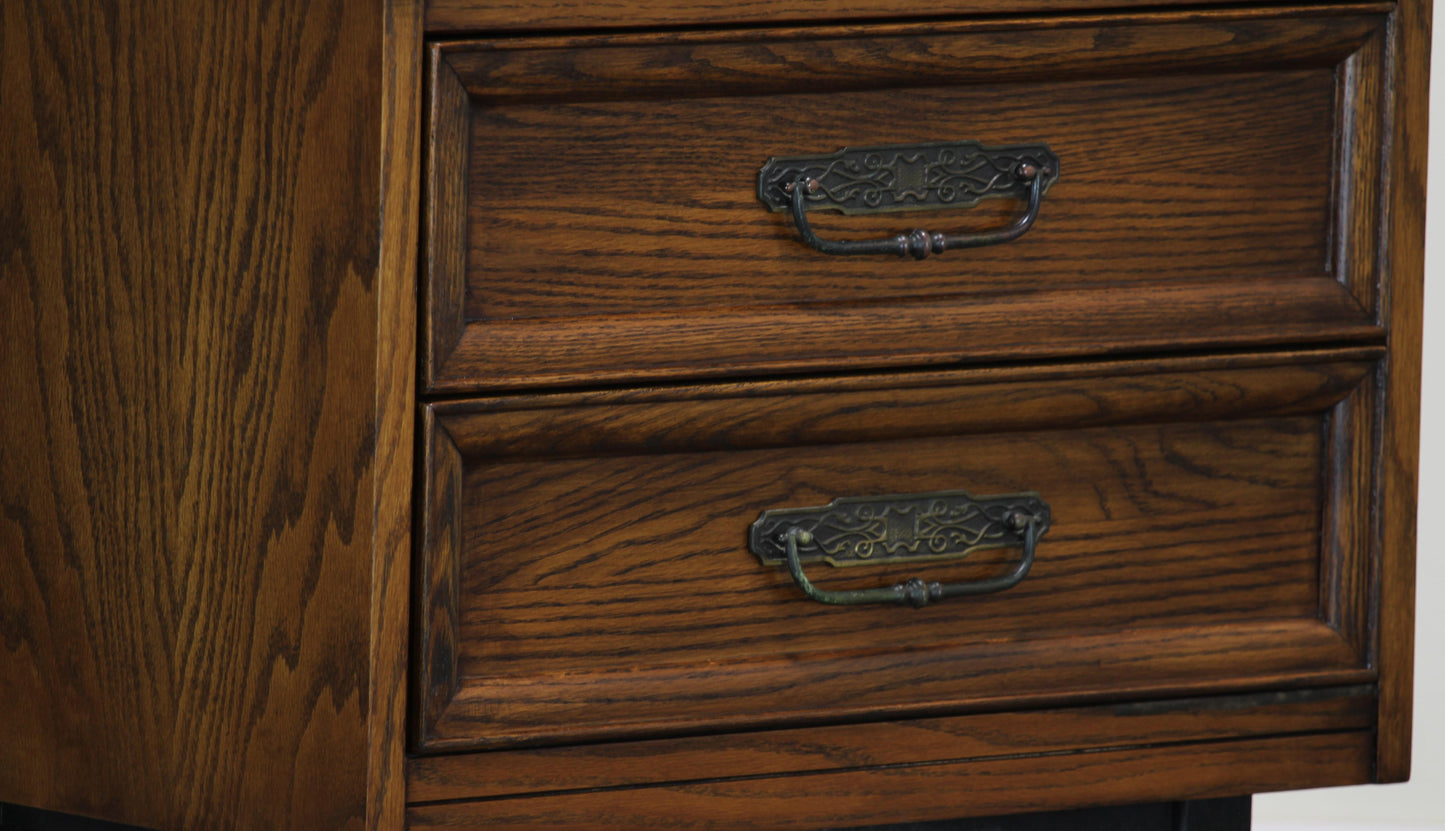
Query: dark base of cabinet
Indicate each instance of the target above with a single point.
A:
(1195, 815)
(20, 818)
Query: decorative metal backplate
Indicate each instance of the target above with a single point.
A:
(913, 177)
(858, 530)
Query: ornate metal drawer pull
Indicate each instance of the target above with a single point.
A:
(891, 529)
(915, 177)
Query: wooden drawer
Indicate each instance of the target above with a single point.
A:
(585, 571)
(593, 212)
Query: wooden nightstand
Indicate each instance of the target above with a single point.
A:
(488, 429)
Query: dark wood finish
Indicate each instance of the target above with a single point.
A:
(396, 362)
(458, 16)
(1402, 307)
(1345, 570)
(1360, 149)
(507, 711)
(660, 213)
(935, 791)
(208, 247)
(444, 269)
(1235, 172)
(436, 626)
(189, 215)
(1228, 400)
(588, 573)
(1178, 525)
(1221, 314)
(451, 777)
(939, 53)
(834, 410)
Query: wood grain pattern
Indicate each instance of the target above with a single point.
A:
(780, 752)
(703, 698)
(445, 199)
(435, 603)
(207, 239)
(1219, 315)
(1403, 303)
(603, 570)
(1252, 209)
(1327, 382)
(457, 16)
(936, 791)
(1164, 179)
(1007, 399)
(189, 208)
(632, 562)
(1006, 50)
(1360, 151)
(1346, 566)
(630, 321)
(396, 361)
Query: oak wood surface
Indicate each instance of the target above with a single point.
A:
(396, 361)
(1206, 364)
(435, 607)
(595, 66)
(1249, 223)
(663, 347)
(1403, 263)
(1359, 180)
(778, 752)
(701, 698)
(207, 225)
(1346, 569)
(590, 565)
(834, 410)
(189, 214)
(936, 791)
(1162, 179)
(628, 561)
(454, 16)
(444, 264)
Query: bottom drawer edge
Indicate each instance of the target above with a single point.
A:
(919, 793)
(1006, 745)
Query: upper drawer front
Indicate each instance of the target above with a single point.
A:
(587, 570)
(594, 212)
(477, 15)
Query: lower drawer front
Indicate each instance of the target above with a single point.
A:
(587, 575)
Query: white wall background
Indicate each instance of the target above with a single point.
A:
(1419, 804)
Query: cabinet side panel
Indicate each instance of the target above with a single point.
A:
(395, 412)
(189, 219)
(1400, 451)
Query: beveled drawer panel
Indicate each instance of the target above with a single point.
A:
(586, 571)
(443, 16)
(594, 212)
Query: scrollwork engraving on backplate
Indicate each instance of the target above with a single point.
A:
(869, 180)
(915, 527)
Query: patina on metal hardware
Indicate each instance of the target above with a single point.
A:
(871, 180)
(903, 528)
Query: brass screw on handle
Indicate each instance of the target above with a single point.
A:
(809, 185)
